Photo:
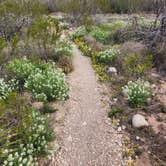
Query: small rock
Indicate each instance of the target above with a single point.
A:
(123, 127)
(84, 124)
(137, 138)
(119, 129)
(139, 121)
(112, 70)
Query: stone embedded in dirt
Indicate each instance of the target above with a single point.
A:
(112, 70)
(139, 121)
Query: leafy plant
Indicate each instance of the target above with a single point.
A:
(25, 133)
(100, 35)
(137, 92)
(108, 56)
(7, 88)
(79, 33)
(48, 84)
(63, 48)
(114, 112)
(137, 65)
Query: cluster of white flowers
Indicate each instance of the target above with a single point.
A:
(36, 142)
(108, 55)
(21, 67)
(137, 91)
(47, 84)
(63, 47)
(7, 88)
(43, 80)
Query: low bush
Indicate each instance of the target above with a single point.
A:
(63, 48)
(108, 56)
(115, 111)
(100, 35)
(47, 84)
(7, 88)
(25, 133)
(137, 92)
(79, 33)
(44, 80)
(137, 65)
(65, 26)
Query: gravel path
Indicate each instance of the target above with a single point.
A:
(87, 137)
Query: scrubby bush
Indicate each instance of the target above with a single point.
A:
(108, 56)
(137, 92)
(137, 65)
(79, 33)
(44, 33)
(25, 133)
(100, 35)
(65, 63)
(15, 14)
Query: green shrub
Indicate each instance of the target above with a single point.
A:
(7, 88)
(44, 33)
(100, 35)
(63, 48)
(64, 26)
(21, 68)
(25, 133)
(115, 111)
(79, 33)
(137, 65)
(48, 84)
(137, 92)
(42, 79)
(108, 56)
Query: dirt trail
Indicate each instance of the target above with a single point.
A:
(87, 137)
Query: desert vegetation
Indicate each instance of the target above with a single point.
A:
(126, 43)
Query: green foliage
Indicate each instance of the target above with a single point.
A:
(137, 65)
(100, 35)
(42, 79)
(115, 111)
(48, 84)
(137, 92)
(79, 33)
(108, 56)
(45, 32)
(3, 44)
(63, 48)
(25, 133)
(7, 88)
(64, 26)
(48, 109)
